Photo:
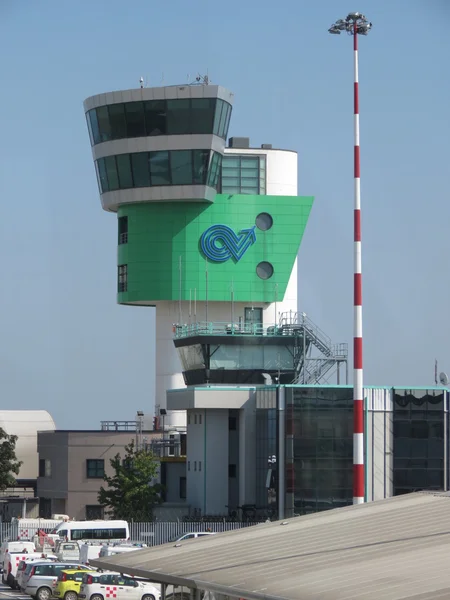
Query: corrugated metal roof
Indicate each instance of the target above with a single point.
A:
(390, 549)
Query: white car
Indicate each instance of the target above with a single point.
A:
(21, 575)
(192, 535)
(103, 586)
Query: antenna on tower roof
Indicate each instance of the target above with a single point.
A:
(141, 82)
(202, 79)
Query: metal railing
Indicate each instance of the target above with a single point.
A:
(119, 425)
(166, 448)
(219, 328)
(152, 534)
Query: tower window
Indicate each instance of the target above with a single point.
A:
(123, 230)
(122, 278)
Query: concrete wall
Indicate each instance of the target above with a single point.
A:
(196, 451)
(68, 486)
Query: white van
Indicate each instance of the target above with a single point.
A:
(11, 564)
(17, 546)
(117, 531)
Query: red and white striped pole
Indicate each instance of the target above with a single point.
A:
(358, 389)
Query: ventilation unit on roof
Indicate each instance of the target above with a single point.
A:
(239, 142)
(266, 146)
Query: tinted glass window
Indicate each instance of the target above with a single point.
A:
(202, 115)
(322, 421)
(155, 117)
(111, 171)
(227, 122)
(214, 169)
(141, 174)
(181, 167)
(117, 121)
(159, 117)
(103, 123)
(94, 126)
(419, 445)
(58, 568)
(104, 186)
(178, 113)
(217, 116)
(124, 171)
(105, 534)
(135, 119)
(88, 121)
(159, 168)
(143, 169)
(45, 570)
(201, 159)
(123, 230)
(223, 120)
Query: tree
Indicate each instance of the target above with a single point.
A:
(131, 493)
(9, 464)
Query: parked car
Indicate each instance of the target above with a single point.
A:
(192, 535)
(101, 586)
(68, 583)
(39, 577)
(11, 564)
(22, 569)
(68, 551)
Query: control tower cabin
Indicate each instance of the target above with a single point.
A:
(207, 234)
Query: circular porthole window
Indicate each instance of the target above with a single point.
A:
(264, 270)
(264, 221)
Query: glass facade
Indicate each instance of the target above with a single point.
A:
(159, 117)
(245, 174)
(266, 457)
(322, 426)
(419, 440)
(146, 169)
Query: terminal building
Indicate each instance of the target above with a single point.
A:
(208, 233)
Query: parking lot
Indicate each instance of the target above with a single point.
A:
(6, 593)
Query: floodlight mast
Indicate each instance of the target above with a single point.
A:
(356, 24)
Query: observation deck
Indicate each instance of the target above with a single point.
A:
(294, 350)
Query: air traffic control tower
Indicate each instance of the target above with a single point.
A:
(207, 234)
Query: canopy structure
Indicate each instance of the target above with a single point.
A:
(390, 549)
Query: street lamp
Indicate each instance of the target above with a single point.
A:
(356, 24)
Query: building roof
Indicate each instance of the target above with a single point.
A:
(390, 549)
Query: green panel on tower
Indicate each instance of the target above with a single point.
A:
(247, 243)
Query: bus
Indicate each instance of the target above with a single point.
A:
(117, 531)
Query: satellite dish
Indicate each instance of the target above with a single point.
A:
(443, 378)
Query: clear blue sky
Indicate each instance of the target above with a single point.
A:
(65, 345)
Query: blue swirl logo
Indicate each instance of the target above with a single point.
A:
(219, 243)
